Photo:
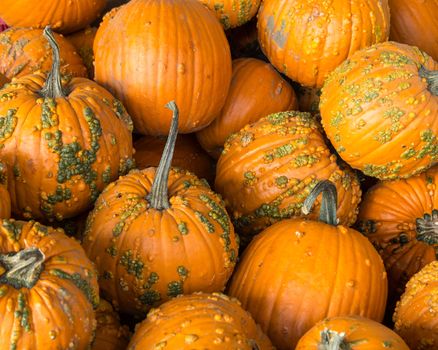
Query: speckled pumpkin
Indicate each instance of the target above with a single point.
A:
(350, 332)
(62, 143)
(25, 51)
(416, 315)
(48, 288)
(306, 40)
(256, 90)
(379, 109)
(5, 199)
(158, 233)
(199, 321)
(83, 42)
(268, 168)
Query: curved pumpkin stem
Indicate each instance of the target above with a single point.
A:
(327, 212)
(331, 340)
(53, 86)
(158, 198)
(21, 269)
(431, 77)
(427, 228)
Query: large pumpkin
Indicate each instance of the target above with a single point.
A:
(297, 272)
(306, 40)
(48, 288)
(63, 16)
(83, 42)
(158, 233)
(149, 52)
(5, 199)
(268, 168)
(199, 321)
(62, 143)
(379, 109)
(25, 51)
(416, 315)
(256, 90)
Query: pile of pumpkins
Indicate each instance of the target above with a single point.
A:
(228, 174)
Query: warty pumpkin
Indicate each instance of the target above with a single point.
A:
(158, 233)
(256, 91)
(170, 49)
(62, 143)
(306, 40)
(199, 321)
(268, 168)
(48, 288)
(83, 42)
(5, 199)
(25, 51)
(416, 314)
(379, 109)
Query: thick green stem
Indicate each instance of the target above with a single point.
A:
(427, 228)
(331, 340)
(21, 269)
(159, 198)
(431, 77)
(327, 212)
(53, 86)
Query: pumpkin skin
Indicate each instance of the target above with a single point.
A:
(25, 51)
(268, 168)
(359, 334)
(51, 309)
(83, 42)
(63, 16)
(256, 90)
(380, 114)
(416, 313)
(199, 321)
(415, 23)
(5, 199)
(177, 51)
(307, 40)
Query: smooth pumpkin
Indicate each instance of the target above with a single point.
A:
(5, 199)
(83, 42)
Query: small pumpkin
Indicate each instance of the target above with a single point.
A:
(256, 90)
(298, 272)
(5, 199)
(199, 321)
(83, 42)
(379, 109)
(48, 289)
(350, 332)
(416, 313)
(157, 233)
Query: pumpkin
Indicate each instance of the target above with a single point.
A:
(308, 99)
(5, 199)
(110, 335)
(171, 49)
(256, 90)
(232, 13)
(350, 332)
(199, 321)
(268, 168)
(48, 289)
(307, 40)
(414, 22)
(83, 43)
(188, 155)
(25, 51)
(63, 16)
(158, 233)
(298, 272)
(62, 143)
(416, 313)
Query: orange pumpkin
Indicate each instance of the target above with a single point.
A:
(5, 199)
(307, 40)
(297, 272)
(416, 314)
(25, 51)
(83, 42)
(199, 321)
(157, 233)
(63, 16)
(268, 168)
(379, 109)
(48, 288)
(62, 143)
(256, 90)
(170, 49)
(350, 332)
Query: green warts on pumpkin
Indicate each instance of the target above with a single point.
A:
(431, 78)
(328, 208)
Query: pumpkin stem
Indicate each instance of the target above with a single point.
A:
(331, 340)
(327, 212)
(431, 78)
(53, 86)
(21, 269)
(427, 228)
(158, 198)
